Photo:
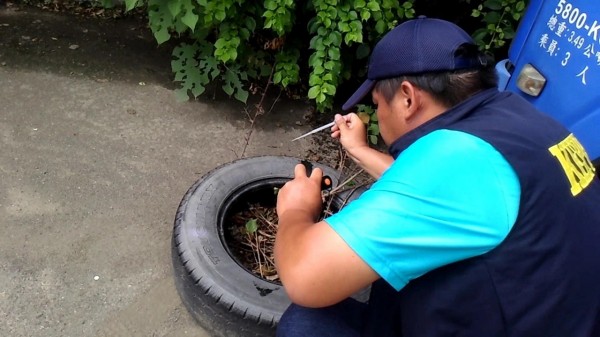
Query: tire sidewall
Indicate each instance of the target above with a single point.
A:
(198, 239)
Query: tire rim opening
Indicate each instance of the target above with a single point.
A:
(248, 223)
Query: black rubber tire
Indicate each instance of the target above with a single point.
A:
(226, 299)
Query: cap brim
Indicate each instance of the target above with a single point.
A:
(359, 94)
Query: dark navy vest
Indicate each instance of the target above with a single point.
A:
(543, 280)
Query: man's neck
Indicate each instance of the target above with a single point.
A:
(430, 109)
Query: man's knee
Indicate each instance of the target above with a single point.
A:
(342, 319)
(294, 322)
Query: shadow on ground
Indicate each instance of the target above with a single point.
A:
(122, 49)
(102, 49)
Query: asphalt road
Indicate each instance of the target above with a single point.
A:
(95, 155)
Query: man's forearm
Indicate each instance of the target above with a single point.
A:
(371, 160)
(288, 248)
(291, 225)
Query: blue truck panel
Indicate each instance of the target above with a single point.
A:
(561, 39)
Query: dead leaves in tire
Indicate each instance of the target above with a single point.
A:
(253, 236)
(252, 230)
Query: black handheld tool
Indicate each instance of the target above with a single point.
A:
(326, 182)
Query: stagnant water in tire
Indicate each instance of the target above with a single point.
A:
(249, 231)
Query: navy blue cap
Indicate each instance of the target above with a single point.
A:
(417, 46)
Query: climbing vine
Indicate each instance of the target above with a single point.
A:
(338, 26)
(500, 19)
(319, 43)
(237, 42)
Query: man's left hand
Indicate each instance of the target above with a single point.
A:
(302, 194)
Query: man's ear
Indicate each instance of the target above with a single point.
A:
(410, 99)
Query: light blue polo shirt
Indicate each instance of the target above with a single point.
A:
(449, 196)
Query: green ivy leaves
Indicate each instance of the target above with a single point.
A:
(189, 18)
(337, 26)
(287, 70)
(279, 15)
(239, 42)
(232, 78)
(369, 116)
(251, 226)
(227, 44)
(160, 18)
(194, 67)
(214, 24)
(500, 18)
(223, 31)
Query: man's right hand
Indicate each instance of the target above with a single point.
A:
(351, 132)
